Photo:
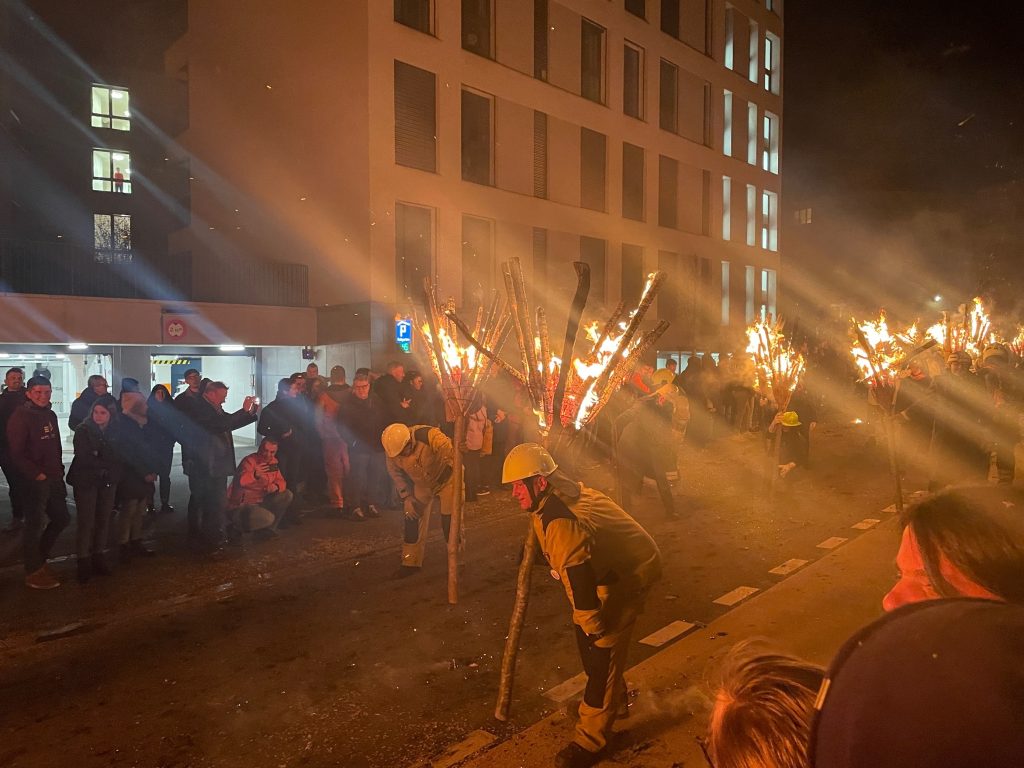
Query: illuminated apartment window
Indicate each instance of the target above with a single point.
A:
(637, 8)
(769, 286)
(668, 97)
(803, 216)
(111, 171)
(592, 61)
(752, 70)
(633, 80)
(769, 221)
(751, 215)
(415, 117)
(414, 248)
(110, 108)
(476, 26)
(726, 208)
(725, 293)
(632, 182)
(770, 142)
(112, 236)
(770, 71)
(752, 133)
(727, 123)
(477, 137)
(729, 56)
(414, 13)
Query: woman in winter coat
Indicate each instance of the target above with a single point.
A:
(140, 470)
(160, 432)
(94, 475)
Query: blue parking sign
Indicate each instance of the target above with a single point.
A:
(403, 333)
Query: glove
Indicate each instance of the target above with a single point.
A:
(411, 511)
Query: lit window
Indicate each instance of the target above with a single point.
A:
(769, 288)
(751, 214)
(770, 66)
(770, 143)
(726, 208)
(752, 133)
(769, 221)
(727, 123)
(111, 171)
(729, 55)
(725, 293)
(748, 309)
(112, 236)
(110, 108)
(803, 216)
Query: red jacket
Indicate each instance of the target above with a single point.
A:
(251, 484)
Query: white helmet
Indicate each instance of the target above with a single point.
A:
(395, 438)
(527, 460)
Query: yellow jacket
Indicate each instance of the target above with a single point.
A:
(429, 466)
(597, 550)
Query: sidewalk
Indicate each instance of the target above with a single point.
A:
(809, 614)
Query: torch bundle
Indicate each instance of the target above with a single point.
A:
(879, 354)
(970, 330)
(777, 366)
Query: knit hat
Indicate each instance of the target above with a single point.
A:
(936, 684)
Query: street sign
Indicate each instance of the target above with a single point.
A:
(403, 333)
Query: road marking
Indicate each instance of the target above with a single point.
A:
(456, 753)
(890, 509)
(831, 543)
(668, 632)
(565, 691)
(740, 593)
(865, 524)
(788, 567)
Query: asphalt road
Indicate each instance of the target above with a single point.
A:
(307, 651)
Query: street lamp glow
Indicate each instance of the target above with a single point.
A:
(232, 347)
(936, 298)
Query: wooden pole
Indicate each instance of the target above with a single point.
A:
(894, 464)
(455, 530)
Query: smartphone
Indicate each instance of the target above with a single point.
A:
(256, 400)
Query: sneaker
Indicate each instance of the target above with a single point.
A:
(483, 491)
(372, 511)
(150, 510)
(574, 756)
(166, 509)
(41, 579)
(357, 515)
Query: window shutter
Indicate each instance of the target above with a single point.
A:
(415, 118)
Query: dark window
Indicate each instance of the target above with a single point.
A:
(592, 61)
(476, 138)
(414, 249)
(540, 39)
(632, 80)
(668, 97)
(632, 182)
(592, 252)
(669, 296)
(476, 26)
(593, 162)
(413, 13)
(670, 17)
(477, 262)
(632, 273)
(637, 8)
(668, 184)
(415, 118)
(540, 155)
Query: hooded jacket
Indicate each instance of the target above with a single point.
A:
(33, 439)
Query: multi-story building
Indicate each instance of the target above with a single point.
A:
(378, 143)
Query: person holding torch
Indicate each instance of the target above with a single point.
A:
(607, 564)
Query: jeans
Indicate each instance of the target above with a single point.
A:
(366, 475)
(94, 504)
(211, 499)
(129, 521)
(266, 514)
(45, 498)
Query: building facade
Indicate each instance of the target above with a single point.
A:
(378, 143)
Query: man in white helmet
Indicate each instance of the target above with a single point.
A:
(419, 460)
(607, 564)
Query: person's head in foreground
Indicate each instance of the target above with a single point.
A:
(963, 542)
(937, 684)
(762, 711)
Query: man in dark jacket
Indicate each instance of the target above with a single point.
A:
(96, 387)
(285, 422)
(393, 394)
(33, 438)
(186, 403)
(213, 456)
(362, 421)
(11, 398)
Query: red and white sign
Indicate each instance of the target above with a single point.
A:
(175, 329)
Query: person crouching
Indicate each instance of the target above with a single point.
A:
(259, 496)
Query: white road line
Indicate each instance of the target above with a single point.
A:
(788, 567)
(668, 632)
(456, 753)
(866, 523)
(831, 543)
(738, 594)
(565, 691)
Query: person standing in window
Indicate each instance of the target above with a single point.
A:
(118, 180)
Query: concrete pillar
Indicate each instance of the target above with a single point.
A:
(133, 362)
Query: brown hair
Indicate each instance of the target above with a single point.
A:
(980, 531)
(764, 705)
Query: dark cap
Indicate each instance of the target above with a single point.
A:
(38, 381)
(190, 371)
(936, 684)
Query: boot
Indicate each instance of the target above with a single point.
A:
(99, 565)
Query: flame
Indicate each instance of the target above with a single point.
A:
(881, 360)
(777, 366)
(458, 360)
